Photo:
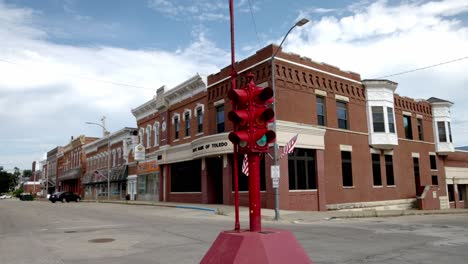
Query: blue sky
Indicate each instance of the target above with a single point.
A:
(57, 57)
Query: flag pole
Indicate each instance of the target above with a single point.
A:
(233, 86)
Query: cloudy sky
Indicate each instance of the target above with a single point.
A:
(67, 62)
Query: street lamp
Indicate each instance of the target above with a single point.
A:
(107, 133)
(299, 23)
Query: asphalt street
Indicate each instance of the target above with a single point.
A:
(42, 232)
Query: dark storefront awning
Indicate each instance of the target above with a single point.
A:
(70, 174)
(100, 176)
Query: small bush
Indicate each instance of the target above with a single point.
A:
(18, 192)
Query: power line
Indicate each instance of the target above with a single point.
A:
(423, 68)
(92, 79)
(253, 22)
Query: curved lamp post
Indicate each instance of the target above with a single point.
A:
(108, 155)
(299, 23)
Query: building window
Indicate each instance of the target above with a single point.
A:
(435, 180)
(186, 176)
(187, 124)
(376, 170)
(389, 170)
(114, 157)
(141, 136)
(176, 127)
(450, 132)
(200, 119)
(407, 126)
(146, 185)
(432, 159)
(119, 157)
(378, 119)
(442, 132)
(320, 111)
(391, 120)
(346, 169)
(301, 169)
(417, 179)
(148, 136)
(342, 113)
(220, 118)
(156, 134)
(420, 129)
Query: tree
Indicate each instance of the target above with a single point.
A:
(9, 181)
(27, 173)
(4, 181)
(14, 178)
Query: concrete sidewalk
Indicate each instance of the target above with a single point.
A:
(288, 215)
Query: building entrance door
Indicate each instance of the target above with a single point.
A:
(215, 180)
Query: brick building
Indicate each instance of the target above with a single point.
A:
(71, 165)
(51, 175)
(360, 144)
(108, 156)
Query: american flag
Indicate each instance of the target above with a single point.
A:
(245, 165)
(289, 147)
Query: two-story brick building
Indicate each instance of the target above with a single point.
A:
(360, 144)
(71, 165)
(107, 161)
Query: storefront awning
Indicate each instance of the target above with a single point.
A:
(70, 174)
(100, 176)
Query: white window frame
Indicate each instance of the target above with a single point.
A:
(119, 156)
(156, 134)
(148, 136)
(113, 157)
(141, 135)
(195, 113)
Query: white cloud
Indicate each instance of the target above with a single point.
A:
(379, 39)
(201, 10)
(50, 90)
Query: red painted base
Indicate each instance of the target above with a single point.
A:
(268, 246)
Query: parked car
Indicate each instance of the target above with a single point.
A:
(64, 197)
(26, 197)
(5, 196)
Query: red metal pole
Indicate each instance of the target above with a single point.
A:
(254, 193)
(233, 85)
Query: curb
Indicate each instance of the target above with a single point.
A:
(155, 204)
(330, 215)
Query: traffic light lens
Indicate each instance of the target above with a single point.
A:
(262, 141)
(242, 143)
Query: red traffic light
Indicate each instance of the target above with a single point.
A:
(262, 96)
(242, 139)
(262, 139)
(262, 116)
(240, 97)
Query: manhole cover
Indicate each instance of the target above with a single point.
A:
(101, 240)
(70, 231)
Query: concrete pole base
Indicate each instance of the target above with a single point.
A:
(268, 246)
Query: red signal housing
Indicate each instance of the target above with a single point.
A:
(251, 116)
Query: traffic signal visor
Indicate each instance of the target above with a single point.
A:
(240, 138)
(262, 96)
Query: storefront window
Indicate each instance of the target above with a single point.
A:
(301, 170)
(186, 176)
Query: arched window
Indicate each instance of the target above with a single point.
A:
(141, 135)
(119, 156)
(148, 136)
(199, 111)
(156, 134)
(113, 158)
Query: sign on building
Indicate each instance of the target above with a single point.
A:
(139, 152)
